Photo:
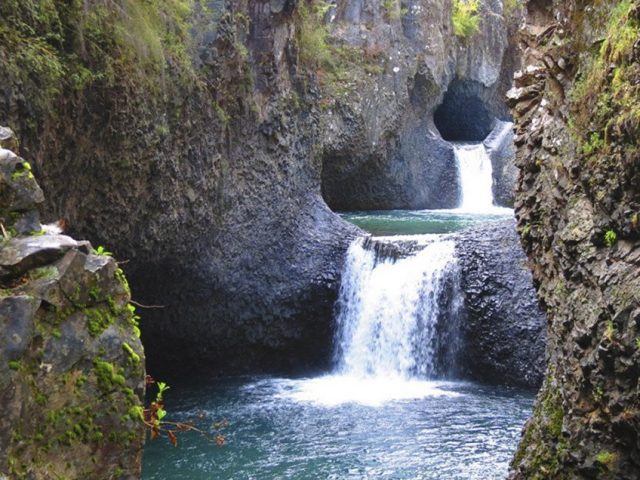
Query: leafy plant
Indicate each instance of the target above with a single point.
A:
(610, 330)
(102, 251)
(610, 237)
(153, 417)
(594, 144)
(466, 21)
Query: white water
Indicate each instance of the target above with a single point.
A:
(387, 319)
(475, 176)
(388, 311)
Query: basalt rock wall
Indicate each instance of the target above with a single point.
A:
(503, 329)
(416, 82)
(576, 105)
(196, 144)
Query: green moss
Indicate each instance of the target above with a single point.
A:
(133, 356)
(98, 319)
(543, 445)
(314, 49)
(610, 101)
(49, 48)
(464, 17)
(607, 459)
(109, 377)
(123, 281)
(15, 364)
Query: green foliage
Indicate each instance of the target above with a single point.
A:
(312, 35)
(605, 98)
(50, 47)
(14, 364)
(511, 5)
(466, 21)
(594, 144)
(102, 251)
(606, 459)
(610, 330)
(610, 238)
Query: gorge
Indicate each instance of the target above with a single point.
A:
(312, 202)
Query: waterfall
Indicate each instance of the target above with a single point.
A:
(390, 311)
(475, 176)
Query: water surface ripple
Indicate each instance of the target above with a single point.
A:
(280, 430)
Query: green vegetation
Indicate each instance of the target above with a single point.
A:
(14, 364)
(49, 48)
(393, 9)
(594, 144)
(607, 459)
(466, 21)
(545, 434)
(133, 356)
(108, 376)
(511, 5)
(610, 238)
(312, 35)
(607, 93)
(102, 251)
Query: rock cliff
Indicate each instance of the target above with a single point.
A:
(71, 361)
(503, 329)
(576, 105)
(200, 148)
(416, 87)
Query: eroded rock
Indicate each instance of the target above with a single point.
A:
(71, 361)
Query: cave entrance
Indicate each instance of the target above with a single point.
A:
(463, 115)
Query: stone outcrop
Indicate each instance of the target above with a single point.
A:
(504, 330)
(71, 362)
(576, 105)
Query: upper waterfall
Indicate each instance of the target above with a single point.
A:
(475, 176)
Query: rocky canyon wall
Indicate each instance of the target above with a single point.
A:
(576, 105)
(199, 149)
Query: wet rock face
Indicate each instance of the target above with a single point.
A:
(501, 151)
(576, 198)
(504, 330)
(71, 363)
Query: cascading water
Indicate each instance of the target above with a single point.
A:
(475, 176)
(389, 309)
(384, 412)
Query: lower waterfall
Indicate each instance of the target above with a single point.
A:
(389, 311)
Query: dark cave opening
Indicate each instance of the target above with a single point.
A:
(463, 115)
